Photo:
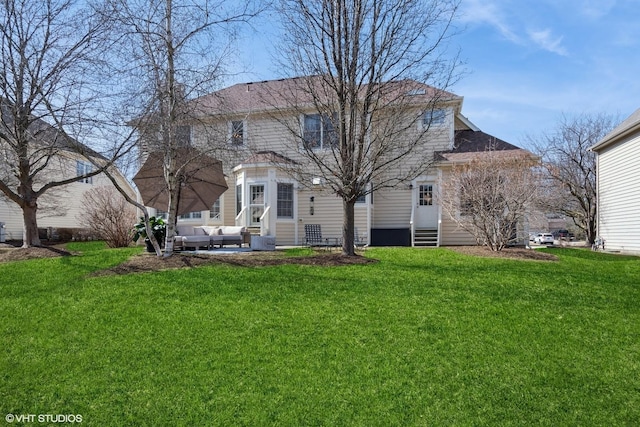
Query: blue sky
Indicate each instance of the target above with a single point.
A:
(527, 62)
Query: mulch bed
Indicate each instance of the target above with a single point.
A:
(510, 252)
(150, 262)
(147, 262)
(12, 253)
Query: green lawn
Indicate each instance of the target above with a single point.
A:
(424, 337)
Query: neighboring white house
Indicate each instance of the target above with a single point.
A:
(618, 181)
(264, 197)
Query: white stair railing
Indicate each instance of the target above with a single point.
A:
(264, 222)
(412, 228)
(241, 217)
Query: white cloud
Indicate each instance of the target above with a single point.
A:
(595, 9)
(489, 13)
(547, 41)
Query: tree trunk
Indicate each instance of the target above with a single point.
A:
(348, 227)
(30, 235)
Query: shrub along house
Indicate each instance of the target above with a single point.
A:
(253, 121)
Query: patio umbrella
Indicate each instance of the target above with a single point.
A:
(201, 181)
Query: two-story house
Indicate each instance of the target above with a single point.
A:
(56, 158)
(254, 121)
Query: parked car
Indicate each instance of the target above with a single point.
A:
(544, 238)
(563, 234)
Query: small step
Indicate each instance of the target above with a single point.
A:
(425, 237)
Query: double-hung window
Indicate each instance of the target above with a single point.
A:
(319, 131)
(237, 132)
(285, 200)
(83, 168)
(183, 136)
(433, 118)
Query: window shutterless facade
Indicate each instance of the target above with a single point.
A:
(183, 136)
(319, 131)
(84, 168)
(285, 200)
(433, 118)
(237, 132)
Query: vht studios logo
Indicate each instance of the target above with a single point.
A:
(43, 418)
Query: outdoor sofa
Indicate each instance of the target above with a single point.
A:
(189, 236)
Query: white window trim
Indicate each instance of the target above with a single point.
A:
(322, 146)
(230, 133)
(293, 202)
(434, 125)
(220, 218)
(83, 167)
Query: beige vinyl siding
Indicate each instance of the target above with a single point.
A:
(60, 207)
(452, 235)
(285, 233)
(327, 212)
(619, 195)
(391, 208)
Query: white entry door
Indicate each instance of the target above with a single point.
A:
(256, 204)
(426, 212)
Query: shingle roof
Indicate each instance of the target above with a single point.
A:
(470, 144)
(285, 93)
(43, 131)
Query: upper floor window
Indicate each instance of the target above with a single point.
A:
(83, 168)
(183, 136)
(435, 117)
(237, 132)
(319, 131)
(285, 200)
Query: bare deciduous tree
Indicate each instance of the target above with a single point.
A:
(45, 50)
(571, 167)
(372, 59)
(109, 216)
(176, 49)
(491, 196)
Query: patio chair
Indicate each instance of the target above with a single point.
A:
(359, 240)
(313, 235)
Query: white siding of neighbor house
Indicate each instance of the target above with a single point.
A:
(619, 195)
